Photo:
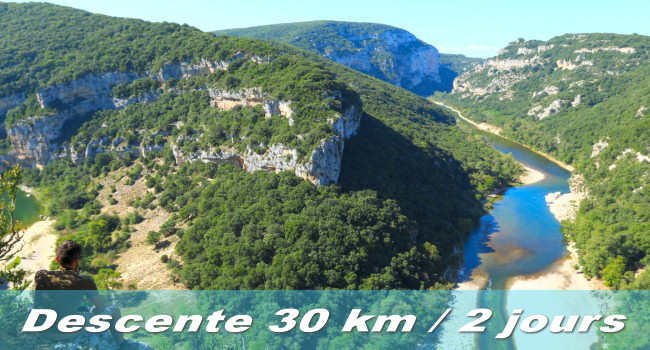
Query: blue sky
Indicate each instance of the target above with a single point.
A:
(474, 28)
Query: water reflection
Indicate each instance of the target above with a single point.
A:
(519, 236)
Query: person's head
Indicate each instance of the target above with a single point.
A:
(68, 254)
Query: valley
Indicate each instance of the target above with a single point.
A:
(323, 158)
(374, 184)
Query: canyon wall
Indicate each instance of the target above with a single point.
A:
(36, 141)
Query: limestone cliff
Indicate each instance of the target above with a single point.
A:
(387, 53)
(9, 102)
(526, 61)
(226, 100)
(36, 141)
(323, 166)
(395, 56)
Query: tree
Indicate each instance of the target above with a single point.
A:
(613, 272)
(10, 229)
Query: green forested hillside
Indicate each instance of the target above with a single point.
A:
(306, 34)
(72, 44)
(582, 99)
(410, 184)
(452, 65)
(382, 51)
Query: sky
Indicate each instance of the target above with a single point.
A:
(471, 27)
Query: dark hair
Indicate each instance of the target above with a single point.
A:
(68, 252)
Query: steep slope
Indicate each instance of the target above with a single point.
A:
(583, 99)
(384, 52)
(453, 65)
(121, 101)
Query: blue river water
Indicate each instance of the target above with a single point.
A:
(28, 208)
(519, 236)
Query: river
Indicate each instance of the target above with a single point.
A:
(518, 237)
(28, 208)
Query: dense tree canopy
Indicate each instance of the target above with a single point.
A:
(410, 186)
(604, 99)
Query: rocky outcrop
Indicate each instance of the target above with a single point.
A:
(187, 69)
(34, 141)
(226, 100)
(510, 63)
(576, 101)
(539, 49)
(539, 65)
(201, 66)
(568, 65)
(387, 53)
(501, 83)
(627, 50)
(553, 108)
(505, 73)
(9, 102)
(394, 55)
(599, 147)
(322, 167)
(550, 90)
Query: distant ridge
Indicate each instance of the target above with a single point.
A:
(382, 51)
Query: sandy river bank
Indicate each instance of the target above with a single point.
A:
(565, 273)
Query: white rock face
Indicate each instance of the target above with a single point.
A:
(510, 63)
(322, 168)
(525, 51)
(226, 100)
(539, 49)
(640, 157)
(186, 69)
(576, 101)
(576, 83)
(33, 140)
(273, 107)
(504, 71)
(553, 108)
(409, 63)
(550, 90)
(543, 48)
(503, 82)
(534, 110)
(628, 50)
(9, 102)
(195, 67)
(599, 147)
(568, 65)
(359, 60)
